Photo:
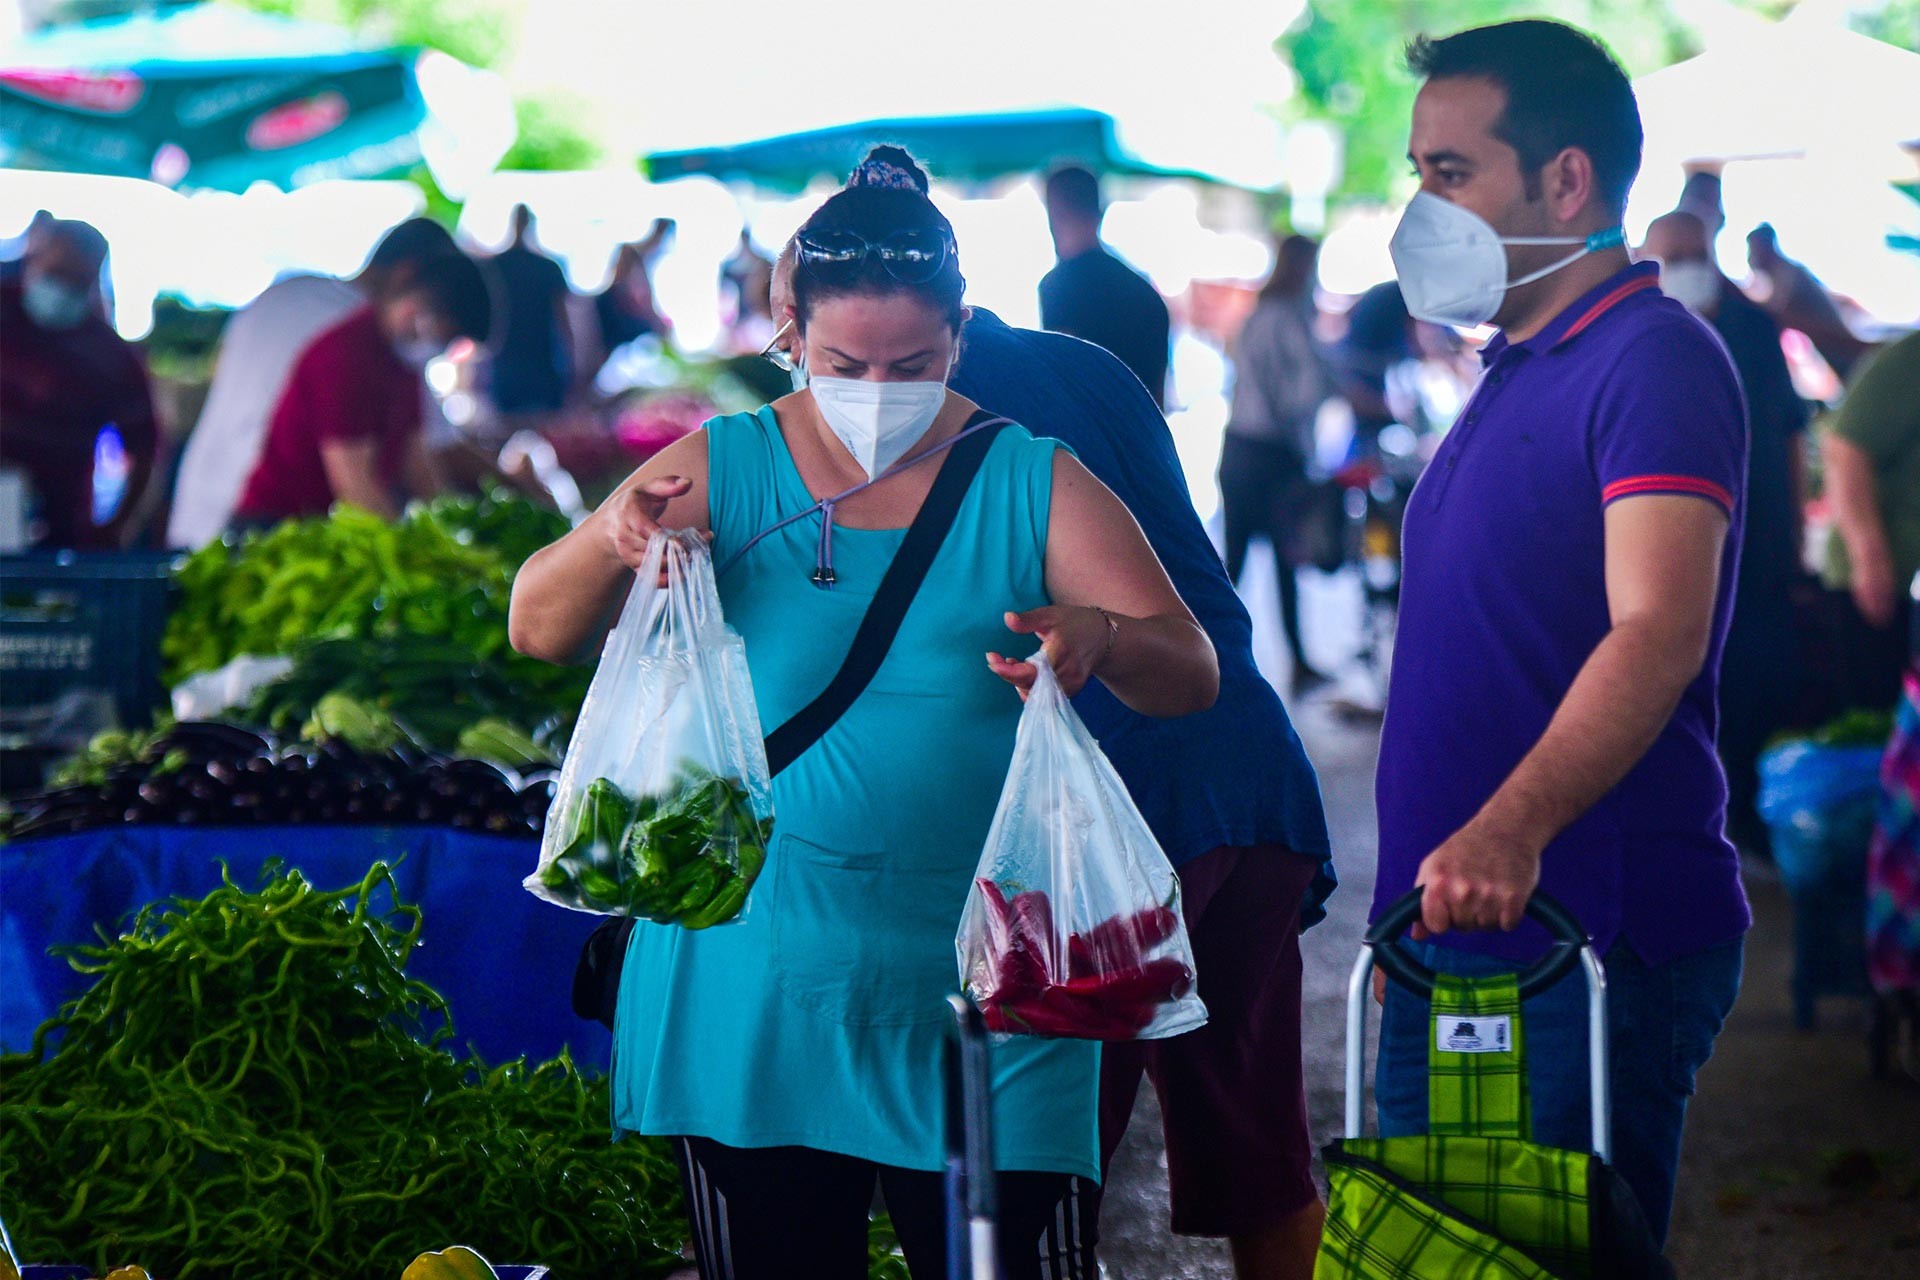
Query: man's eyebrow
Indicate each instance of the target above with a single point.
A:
(1440, 157)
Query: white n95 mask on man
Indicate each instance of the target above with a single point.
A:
(1452, 264)
(877, 421)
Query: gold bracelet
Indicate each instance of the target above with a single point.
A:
(1113, 633)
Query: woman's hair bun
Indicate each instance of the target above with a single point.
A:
(889, 167)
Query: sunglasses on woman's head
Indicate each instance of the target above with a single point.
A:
(911, 257)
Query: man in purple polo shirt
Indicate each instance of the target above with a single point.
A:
(1570, 560)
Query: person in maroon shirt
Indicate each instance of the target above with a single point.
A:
(347, 427)
(65, 378)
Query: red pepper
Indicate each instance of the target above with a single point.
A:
(1019, 935)
(1059, 1013)
(1155, 982)
(1119, 943)
(1109, 991)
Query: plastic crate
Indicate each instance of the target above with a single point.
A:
(83, 621)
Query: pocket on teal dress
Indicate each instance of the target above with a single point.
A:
(860, 938)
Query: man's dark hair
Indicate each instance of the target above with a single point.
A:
(1563, 90)
(1074, 190)
(456, 286)
(412, 242)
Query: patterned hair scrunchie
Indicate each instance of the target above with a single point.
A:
(885, 174)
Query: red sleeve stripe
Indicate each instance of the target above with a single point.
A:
(1667, 484)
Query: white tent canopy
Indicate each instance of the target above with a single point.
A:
(1188, 93)
(1802, 86)
(1807, 119)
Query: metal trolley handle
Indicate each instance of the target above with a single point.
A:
(1571, 947)
(973, 1209)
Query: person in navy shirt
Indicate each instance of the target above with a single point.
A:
(1234, 802)
(1571, 554)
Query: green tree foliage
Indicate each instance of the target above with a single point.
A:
(480, 33)
(554, 132)
(1349, 55)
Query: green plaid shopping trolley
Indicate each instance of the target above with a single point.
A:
(1475, 1199)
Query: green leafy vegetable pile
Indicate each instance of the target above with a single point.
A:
(408, 620)
(688, 857)
(254, 1086)
(374, 692)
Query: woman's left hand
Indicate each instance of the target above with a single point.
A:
(1075, 639)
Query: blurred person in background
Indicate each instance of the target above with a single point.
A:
(1871, 451)
(625, 307)
(1760, 670)
(25, 243)
(1281, 378)
(1700, 195)
(1380, 335)
(258, 348)
(71, 391)
(1092, 294)
(533, 361)
(746, 281)
(1569, 581)
(1796, 299)
(1231, 798)
(348, 425)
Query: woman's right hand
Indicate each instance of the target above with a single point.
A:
(633, 517)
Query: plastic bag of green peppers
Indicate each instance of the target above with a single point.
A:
(663, 808)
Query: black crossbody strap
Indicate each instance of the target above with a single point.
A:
(890, 603)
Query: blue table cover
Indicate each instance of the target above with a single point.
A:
(503, 959)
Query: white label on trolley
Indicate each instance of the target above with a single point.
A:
(1473, 1033)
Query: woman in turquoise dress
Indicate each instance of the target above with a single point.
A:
(795, 1057)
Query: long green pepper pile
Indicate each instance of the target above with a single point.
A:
(254, 1083)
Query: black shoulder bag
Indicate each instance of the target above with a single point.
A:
(596, 978)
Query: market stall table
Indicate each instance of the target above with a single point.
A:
(503, 960)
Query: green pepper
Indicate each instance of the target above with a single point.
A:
(706, 879)
(752, 858)
(646, 860)
(610, 812)
(600, 886)
(725, 906)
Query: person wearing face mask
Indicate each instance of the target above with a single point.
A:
(347, 427)
(258, 348)
(794, 1057)
(1570, 563)
(1231, 797)
(66, 378)
(1760, 669)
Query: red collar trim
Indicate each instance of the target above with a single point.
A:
(1606, 304)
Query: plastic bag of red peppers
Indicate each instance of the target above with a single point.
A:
(1073, 927)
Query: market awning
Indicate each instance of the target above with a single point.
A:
(1797, 87)
(957, 148)
(206, 96)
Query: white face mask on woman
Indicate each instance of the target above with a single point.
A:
(1692, 283)
(1452, 264)
(877, 421)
